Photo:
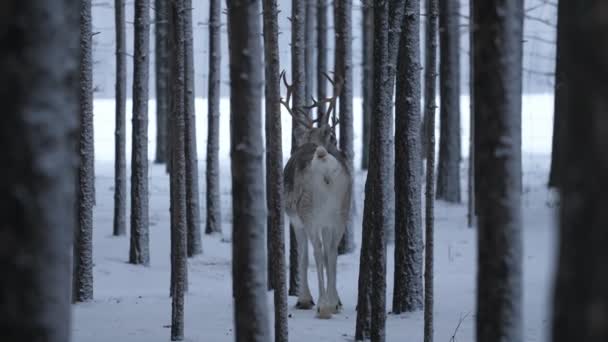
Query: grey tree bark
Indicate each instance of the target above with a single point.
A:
(471, 167)
(498, 47)
(364, 305)
(247, 153)
(430, 86)
(194, 242)
(82, 288)
(139, 252)
(322, 28)
(408, 284)
(120, 157)
(38, 188)
(309, 48)
(580, 298)
(448, 170)
(161, 33)
(214, 213)
(178, 177)
(298, 69)
(368, 77)
(344, 71)
(274, 171)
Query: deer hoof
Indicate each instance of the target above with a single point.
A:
(305, 305)
(324, 312)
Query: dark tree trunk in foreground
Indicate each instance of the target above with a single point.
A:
(430, 85)
(139, 248)
(195, 245)
(274, 171)
(408, 285)
(368, 77)
(82, 288)
(38, 193)
(298, 68)
(498, 154)
(560, 104)
(321, 50)
(247, 152)
(309, 48)
(580, 311)
(471, 167)
(179, 220)
(214, 213)
(161, 33)
(448, 171)
(344, 71)
(120, 158)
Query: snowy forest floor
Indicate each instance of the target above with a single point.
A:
(132, 303)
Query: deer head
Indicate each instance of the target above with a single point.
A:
(324, 133)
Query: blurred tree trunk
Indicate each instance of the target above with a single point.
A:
(499, 25)
(120, 158)
(38, 193)
(471, 167)
(368, 76)
(161, 22)
(322, 48)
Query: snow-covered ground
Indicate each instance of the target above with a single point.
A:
(132, 303)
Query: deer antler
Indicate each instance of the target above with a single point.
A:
(324, 117)
(302, 118)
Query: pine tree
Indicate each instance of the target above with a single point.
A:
(498, 158)
(38, 193)
(471, 167)
(161, 32)
(139, 247)
(247, 151)
(321, 51)
(309, 48)
(368, 76)
(120, 158)
(83, 245)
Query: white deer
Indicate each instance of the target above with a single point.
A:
(318, 186)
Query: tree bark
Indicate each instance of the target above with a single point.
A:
(83, 245)
(214, 213)
(162, 77)
(139, 252)
(580, 308)
(178, 180)
(247, 153)
(448, 171)
(309, 49)
(471, 172)
(120, 158)
(194, 243)
(498, 47)
(321, 51)
(38, 133)
(368, 77)
(363, 321)
(274, 171)
(408, 285)
(344, 71)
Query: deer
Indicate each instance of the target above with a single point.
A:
(317, 194)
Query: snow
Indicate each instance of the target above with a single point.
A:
(132, 302)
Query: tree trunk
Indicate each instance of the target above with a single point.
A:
(195, 245)
(274, 171)
(471, 172)
(298, 69)
(120, 158)
(408, 292)
(368, 77)
(139, 252)
(309, 49)
(83, 244)
(344, 71)
(162, 78)
(321, 52)
(430, 85)
(363, 321)
(214, 213)
(38, 188)
(498, 155)
(247, 152)
(448, 171)
(179, 204)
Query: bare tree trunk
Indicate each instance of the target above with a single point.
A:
(83, 245)
(498, 155)
(214, 213)
(321, 51)
(471, 183)
(162, 77)
(309, 48)
(139, 252)
(408, 285)
(274, 171)
(247, 151)
(195, 245)
(344, 71)
(368, 76)
(179, 205)
(364, 309)
(448, 171)
(120, 158)
(38, 193)
(430, 86)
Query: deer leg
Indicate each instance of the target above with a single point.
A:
(305, 301)
(331, 251)
(322, 308)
